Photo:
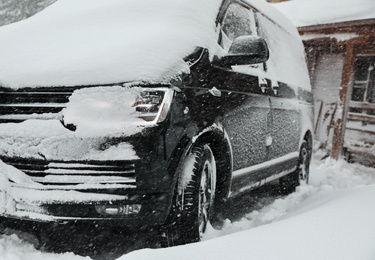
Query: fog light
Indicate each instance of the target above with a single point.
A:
(118, 210)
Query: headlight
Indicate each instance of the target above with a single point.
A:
(154, 104)
(116, 109)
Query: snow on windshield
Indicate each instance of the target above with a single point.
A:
(83, 42)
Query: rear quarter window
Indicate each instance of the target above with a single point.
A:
(287, 57)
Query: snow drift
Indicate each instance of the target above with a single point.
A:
(332, 218)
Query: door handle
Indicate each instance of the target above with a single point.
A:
(215, 92)
(275, 87)
(262, 84)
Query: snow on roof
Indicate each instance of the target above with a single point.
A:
(308, 12)
(96, 42)
(275, 15)
(85, 42)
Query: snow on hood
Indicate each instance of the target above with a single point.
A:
(102, 111)
(114, 111)
(86, 42)
(307, 12)
(48, 139)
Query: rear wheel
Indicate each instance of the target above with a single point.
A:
(301, 174)
(2, 228)
(193, 200)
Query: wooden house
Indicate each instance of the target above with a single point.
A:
(340, 49)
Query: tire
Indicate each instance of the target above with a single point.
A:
(2, 228)
(193, 200)
(300, 176)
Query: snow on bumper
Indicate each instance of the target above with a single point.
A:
(21, 197)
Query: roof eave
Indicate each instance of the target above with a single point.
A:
(365, 26)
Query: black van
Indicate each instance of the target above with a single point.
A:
(149, 152)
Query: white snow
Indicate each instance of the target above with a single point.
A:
(84, 42)
(287, 61)
(49, 139)
(340, 37)
(105, 111)
(187, 169)
(275, 15)
(20, 196)
(331, 218)
(307, 12)
(12, 248)
(360, 138)
(98, 113)
(117, 41)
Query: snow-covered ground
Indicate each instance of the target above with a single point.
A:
(331, 218)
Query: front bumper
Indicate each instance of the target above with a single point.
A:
(71, 191)
(20, 204)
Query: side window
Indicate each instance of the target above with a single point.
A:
(238, 21)
(286, 62)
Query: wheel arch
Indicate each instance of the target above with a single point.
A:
(220, 145)
(309, 138)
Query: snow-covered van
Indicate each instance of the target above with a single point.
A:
(149, 113)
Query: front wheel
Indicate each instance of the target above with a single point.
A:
(301, 174)
(193, 199)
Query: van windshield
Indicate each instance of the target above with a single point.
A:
(92, 42)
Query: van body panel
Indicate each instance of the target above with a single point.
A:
(253, 120)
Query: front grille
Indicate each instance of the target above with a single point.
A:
(78, 175)
(32, 103)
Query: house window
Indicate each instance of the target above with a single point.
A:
(364, 79)
(364, 87)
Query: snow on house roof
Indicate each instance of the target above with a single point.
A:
(314, 12)
(92, 42)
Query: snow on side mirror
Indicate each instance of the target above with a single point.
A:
(245, 50)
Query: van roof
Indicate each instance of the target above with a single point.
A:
(92, 42)
(96, 42)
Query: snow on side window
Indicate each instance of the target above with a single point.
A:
(287, 57)
(238, 21)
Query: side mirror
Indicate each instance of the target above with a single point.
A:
(245, 50)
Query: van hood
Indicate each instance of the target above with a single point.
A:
(92, 42)
(90, 126)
